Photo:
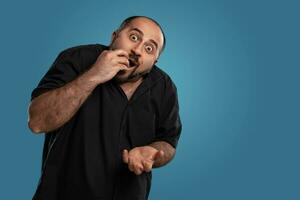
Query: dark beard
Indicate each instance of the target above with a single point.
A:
(133, 77)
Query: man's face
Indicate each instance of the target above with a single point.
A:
(142, 39)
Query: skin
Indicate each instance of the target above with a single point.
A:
(141, 37)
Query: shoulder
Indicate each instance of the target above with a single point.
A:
(83, 49)
(80, 57)
(164, 79)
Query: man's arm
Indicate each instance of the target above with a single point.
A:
(52, 109)
(144, 158)
(168, 153)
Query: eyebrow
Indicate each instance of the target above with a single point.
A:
(141, 32)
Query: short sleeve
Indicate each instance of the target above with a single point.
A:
(64, 69)
(170, 126)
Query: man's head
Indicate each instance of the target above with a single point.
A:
(144, 40)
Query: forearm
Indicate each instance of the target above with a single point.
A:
(169, 153)
(52, 109)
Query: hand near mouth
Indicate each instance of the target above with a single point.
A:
(108, 64)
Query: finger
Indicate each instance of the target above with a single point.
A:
(131, 164)
(130, 167)
(120, 60)
(138, 169)
(125, 156)
(147, 165)
(122, 67)
(121, 52)
(159, 154)
(138, 172)
(135, 165)
(123, 61)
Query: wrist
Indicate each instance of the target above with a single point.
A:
(92, 77)
(152, 145)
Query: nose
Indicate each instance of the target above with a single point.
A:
(137, 49)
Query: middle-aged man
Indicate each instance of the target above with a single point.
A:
(109, 115)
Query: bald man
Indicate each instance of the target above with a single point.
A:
(109, 115)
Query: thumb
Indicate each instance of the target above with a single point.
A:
(159, 154)
(125, 156)
(123, 67)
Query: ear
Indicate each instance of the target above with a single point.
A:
(113, 36)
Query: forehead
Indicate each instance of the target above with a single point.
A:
(149, 28)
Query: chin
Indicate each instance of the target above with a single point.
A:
(125, 78)
(121, 78)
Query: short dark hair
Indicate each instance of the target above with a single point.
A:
(129, 19)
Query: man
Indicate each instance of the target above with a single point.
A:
(109, 115)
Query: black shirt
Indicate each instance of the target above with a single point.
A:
(83, 158)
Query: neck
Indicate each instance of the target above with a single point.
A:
(131, 83)
(130, 87)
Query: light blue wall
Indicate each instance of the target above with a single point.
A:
(236, 66)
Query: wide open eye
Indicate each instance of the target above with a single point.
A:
(134, 37)
(149, 48)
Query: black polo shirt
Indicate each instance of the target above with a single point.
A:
(83, 158)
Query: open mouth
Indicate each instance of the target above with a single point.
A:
(133, 60)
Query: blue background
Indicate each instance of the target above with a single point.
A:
(236, 67)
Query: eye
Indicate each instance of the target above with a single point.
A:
(149, 48)
(134, 37)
